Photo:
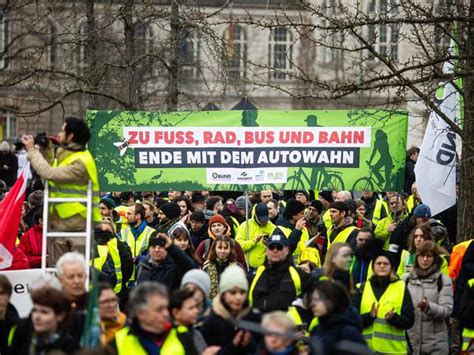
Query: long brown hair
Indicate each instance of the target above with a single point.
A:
(329, 267)
(212, 256)
(426, 229)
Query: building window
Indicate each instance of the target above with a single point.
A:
(189, 54)
(280, 53)
(331, 39)
(7, 125)
(143, 39)
(4, 38)
(383, 38)
(236, 51)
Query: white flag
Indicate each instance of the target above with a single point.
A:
(435, 169)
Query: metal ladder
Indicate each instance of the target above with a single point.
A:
(87, 234)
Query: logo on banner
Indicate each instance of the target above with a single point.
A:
(247, 176)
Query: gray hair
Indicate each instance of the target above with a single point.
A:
(280, 318)
(70, 258)
(139, 296)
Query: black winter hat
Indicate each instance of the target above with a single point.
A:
(293, 207)
(171, 210)
(327, 195)
(382, 253)
(317, 204)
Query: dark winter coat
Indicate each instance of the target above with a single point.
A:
(275, 289)
(465, 274)
(200, 235)
(169, 272)
(409, 175)
(11, 319)
(24, 336)
(335, 328)
(11, 161)
(218, 328)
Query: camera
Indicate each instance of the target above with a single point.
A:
(41, 139)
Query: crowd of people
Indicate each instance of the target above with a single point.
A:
(186, 271)
(268, 272)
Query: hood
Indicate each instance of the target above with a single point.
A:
(219, 309)
(180, 224)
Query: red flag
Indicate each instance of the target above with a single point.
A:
(10, 217)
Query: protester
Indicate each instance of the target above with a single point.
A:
(199, 228)
(151, 217)
(360, 220)
(254, 233)
(338, 263)
(149, 330)
(365, 246)
(168, 214)
(387, 225)
(432, 294)
(386, 308)
(277, 282)
(113, 257)
(31, 242)
(338, 323)
(199, 281)
(111, 319)
(8, 164)
(411, 158)
(273, 210)
(71, 171)
(166, 263)
(302, 196)
(181, 238)
(46, 330)
(71, 273)
(301, 314)
(221, 254)
(229, 305)
(242, 203)
(218, 227)
(8, 314)
(279, 325)
(370, 199)
(34, 206)
(466, 317)
(342, 230)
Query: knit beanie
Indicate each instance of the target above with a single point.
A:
(108, 202)
(327, 195)
(217, 218)
(304, 192)
(199, 278)
(318, 205)
(36, 198)
(171, 210)
(233, 276)
(293, 207)
(382, 253)
(240, 203)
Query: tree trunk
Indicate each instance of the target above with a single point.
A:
(466, 198)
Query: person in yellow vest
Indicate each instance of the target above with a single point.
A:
(68, 175)
(127, 199)
(113, 258)
(292, 224)
(136, 235)
(277, 282)
(326, 199)
(397, 215)
(414, 199)
(466, 317)
(381, 209)
(149, 330)
(342, 230)
(301, 314)
(259, 229)
(385, 305)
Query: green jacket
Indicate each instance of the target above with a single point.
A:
(254, 252)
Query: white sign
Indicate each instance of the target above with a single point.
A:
(21, 281)
(244, 176)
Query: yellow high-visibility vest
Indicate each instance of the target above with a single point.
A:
(104, 250)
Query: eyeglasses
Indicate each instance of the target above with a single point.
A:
(110, 302)
(278, 247)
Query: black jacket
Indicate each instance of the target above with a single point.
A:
(200, 235)
(11, 161)
(219, 330)
(465, 274)
(11, 319)
(409, 175)
(335, 328)
(24, 335)
(275, 289)
(399, 239)
(379, 285)
(169, 272)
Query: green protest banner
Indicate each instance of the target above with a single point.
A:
(358, 150)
